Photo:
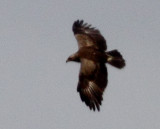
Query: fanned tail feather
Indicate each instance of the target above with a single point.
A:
(115, 59)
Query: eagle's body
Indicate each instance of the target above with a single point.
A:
(92, 56)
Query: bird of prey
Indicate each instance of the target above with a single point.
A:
(92, 55)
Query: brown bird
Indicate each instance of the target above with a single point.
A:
(92, 55)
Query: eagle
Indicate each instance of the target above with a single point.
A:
(93, 55)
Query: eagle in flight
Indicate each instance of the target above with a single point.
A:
(92, 55)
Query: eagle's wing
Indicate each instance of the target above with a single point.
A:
(92, 83)
(88, 36)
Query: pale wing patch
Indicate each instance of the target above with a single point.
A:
(87, 66)
(84, 40)
(93, 91)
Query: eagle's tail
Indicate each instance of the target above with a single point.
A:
(115, 59)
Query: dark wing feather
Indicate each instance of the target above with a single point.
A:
(92, 83)
(88, 36)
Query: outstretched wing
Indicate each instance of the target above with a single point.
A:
(92, 83)
(88, 36)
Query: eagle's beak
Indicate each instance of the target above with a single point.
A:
(67, 60)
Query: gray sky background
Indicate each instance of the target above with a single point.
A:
(37, 87)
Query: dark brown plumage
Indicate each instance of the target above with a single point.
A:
(92, 56)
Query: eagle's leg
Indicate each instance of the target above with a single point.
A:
(73, 57)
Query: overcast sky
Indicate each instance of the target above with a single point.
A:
(37, 87)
